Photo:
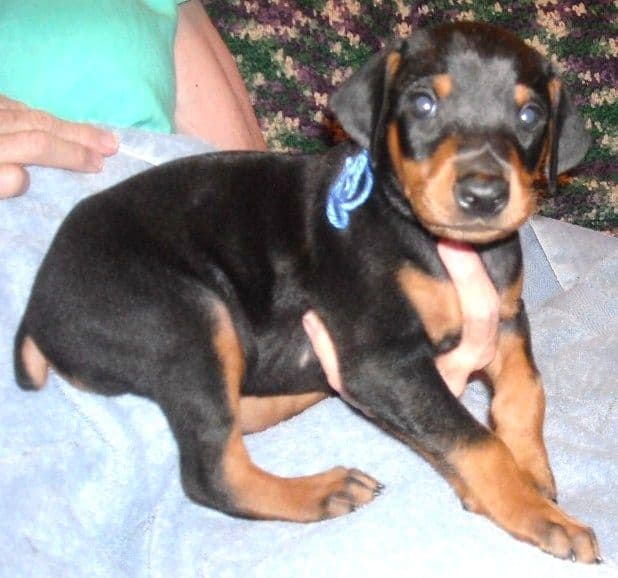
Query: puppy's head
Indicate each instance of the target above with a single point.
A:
(463, 116)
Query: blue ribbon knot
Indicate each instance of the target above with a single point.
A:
(351, 189)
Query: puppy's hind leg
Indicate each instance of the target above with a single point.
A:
(203, 408)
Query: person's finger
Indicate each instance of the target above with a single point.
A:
(479, 303)
(14, 120)
(14, 180)
(479, 300)
(37, 147)
(470, 277)
(323, 348)
(451, 367)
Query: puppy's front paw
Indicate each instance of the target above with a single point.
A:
(566, 538)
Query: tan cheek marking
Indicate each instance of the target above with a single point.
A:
(434, 300)
(510, 303)
(442, 173)
(427, 184)
(522, 94)
(522, 197)
(435, 203)
(394, 149)
(443, 85)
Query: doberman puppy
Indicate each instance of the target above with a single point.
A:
(187, 284)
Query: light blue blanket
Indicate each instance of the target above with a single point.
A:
(89, 486)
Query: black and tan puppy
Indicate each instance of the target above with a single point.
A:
(187, 284)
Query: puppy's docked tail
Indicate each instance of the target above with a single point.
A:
(30, 365)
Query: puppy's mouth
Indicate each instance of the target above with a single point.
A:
(457, 217)
(477, 231)
(476, 207)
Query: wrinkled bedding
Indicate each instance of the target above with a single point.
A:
(89, 486)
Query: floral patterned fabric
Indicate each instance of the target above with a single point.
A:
(293, 53)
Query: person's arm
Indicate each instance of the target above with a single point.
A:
(33, 137)
(211, 99)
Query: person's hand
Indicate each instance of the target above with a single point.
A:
(480, 308)
(479, 304)
(323, 348)
(33, 137)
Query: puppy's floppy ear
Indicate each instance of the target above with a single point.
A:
(569, 139)
(361, 102)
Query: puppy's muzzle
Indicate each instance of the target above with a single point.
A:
(481, 195)
(481, 189)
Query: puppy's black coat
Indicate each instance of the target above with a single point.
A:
(187, 284)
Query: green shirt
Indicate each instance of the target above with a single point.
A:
(103, 61)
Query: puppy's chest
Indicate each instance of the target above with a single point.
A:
(435, 302)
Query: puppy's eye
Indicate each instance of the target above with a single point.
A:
(424, 105)
(529, 115)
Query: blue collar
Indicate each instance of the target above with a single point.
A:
(351, 189)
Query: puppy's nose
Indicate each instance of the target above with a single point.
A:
(482, 195)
